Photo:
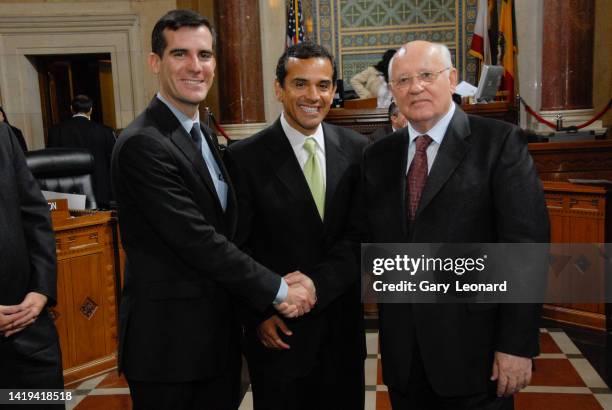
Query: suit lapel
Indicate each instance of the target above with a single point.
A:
(287, 167)
(399, 161)
(230, 210)
(168, 123)
(335, 164)
(451, 153)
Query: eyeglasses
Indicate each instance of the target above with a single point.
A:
(425, 77)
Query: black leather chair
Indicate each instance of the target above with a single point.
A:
(65, 170)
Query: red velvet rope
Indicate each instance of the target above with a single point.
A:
(219, 127)
(572, 128)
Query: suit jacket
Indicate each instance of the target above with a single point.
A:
(283, 230)
(20, 139)
(181, 266)
(27, 248)
(482, 188)
(79, 132)
(383, 131)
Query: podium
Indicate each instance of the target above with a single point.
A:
(86, 310)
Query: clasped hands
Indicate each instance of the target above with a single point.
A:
(15, 318)
(301, 296)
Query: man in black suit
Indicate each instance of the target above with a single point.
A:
(294, 217)
(29, 348)
(396, 121)
(80, 132)
(179, 344)
(452, 178)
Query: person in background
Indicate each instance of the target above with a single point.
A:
(30, 356)
(397, 121)
(16, 131)
(80, 132)
(373, 81)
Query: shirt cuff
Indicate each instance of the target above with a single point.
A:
(281, 295)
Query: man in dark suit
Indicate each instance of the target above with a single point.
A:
(80, 132)
(452, 178)
(29, 348)
(396, 121)
(179, 344)
(297, 184)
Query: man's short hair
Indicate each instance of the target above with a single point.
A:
(173, 20)
(445, 54)
(393, 109)
(81, 104)
(303, 51)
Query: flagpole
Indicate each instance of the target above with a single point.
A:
(297, 22)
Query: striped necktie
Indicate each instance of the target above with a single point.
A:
(417, 175)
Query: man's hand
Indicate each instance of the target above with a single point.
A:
(268, 333)
(512, 373)
(298, 277)
(9, 315)
(301, 296)
(28, 310)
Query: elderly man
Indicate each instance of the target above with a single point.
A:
(452, 178)
(179, 344)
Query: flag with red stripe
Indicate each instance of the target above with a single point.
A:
(480, 47)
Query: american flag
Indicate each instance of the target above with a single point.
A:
(295, 26)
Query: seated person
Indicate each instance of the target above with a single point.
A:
(373, 81)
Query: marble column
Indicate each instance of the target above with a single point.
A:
(240, 80)
(567, 59)
(567, 62)
(529, 38)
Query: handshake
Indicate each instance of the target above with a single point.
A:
(301, 296)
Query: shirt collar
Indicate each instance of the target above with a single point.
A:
(296, 138)
(185, 121)
(80, 114)
(438, 131)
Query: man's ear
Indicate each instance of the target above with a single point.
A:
(453, 79)
(278, 91)
(154, 62)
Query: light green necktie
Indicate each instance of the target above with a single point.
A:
(314, 176)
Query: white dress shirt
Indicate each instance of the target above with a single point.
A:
(209, 159)
(296, 139)
(436, 133)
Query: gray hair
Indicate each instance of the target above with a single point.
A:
(442, 49)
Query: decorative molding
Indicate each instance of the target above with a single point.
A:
(22, 37)
(241, 131)
(67, 23)
(88, 308)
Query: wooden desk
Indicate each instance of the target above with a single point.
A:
(366, 120)
(579, 214)
(86, 311)
(558, 161)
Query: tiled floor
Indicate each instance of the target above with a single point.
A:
(564, 380)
